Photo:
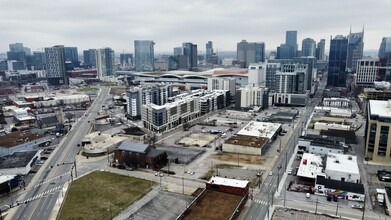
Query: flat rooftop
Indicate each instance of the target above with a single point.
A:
(310, 166)
(380, 108)
(100, 140)
(212, 205)
(342, 162)
(248, 141)
(260, 129)
(17, 159)
(228, 182)
(17, 138)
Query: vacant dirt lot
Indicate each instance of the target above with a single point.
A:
(212, 205)
(243, 158)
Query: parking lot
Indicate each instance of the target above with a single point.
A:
(165, 205)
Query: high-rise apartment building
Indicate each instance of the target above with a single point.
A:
(146, 94)
(222, 83)
(55, 66)
(257, 74)
(105, 62)
(291, 85)
(355, 50)
(250, 52)
(144, 55)
(252, 96)
(320, 50)
(337, 62)
(308, 47)
(89, 57)
(378, 132)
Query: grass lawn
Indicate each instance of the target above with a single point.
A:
(90, 196)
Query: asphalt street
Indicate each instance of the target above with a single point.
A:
(265, 198)
(42, 193)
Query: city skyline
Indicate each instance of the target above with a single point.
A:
(85, 25)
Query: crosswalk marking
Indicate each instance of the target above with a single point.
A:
(52, 179)
(42, 194)
(260, 201)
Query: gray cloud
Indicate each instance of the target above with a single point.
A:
(117, 23)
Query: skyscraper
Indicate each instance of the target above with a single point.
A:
(337, 61)
(144, 55)
(105, 63)
(55, 66)
(285, 52)
(250, 52)
(308, 47)
(16, 47)
(72, 55)
(355, 50)
(89, 57)
(385, 50)
(126, 59)
(209, 51)
(190, 51)
(320, 50)
(39, 60)
(291, 40)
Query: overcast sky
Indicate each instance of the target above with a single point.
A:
(117, 23)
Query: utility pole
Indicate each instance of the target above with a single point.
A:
(316, 208)
(363, 211)
(284, 194)
(12, 200)
(268, 205)
(286, 158)
(183, 185)
(74, 162)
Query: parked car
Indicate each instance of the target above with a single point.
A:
(271, 173)
(121, 167)
(357, 206)
(308, 195)
(159, 174)
(289, 171)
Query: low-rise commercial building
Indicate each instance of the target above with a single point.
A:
(244, 144)
(321, 146)
(311, 166)
(254, 138)
(18, 163)
(19, 141)
(141, 155)
(342, 167)
(222, 198)
(339, 189)
(97, 143)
